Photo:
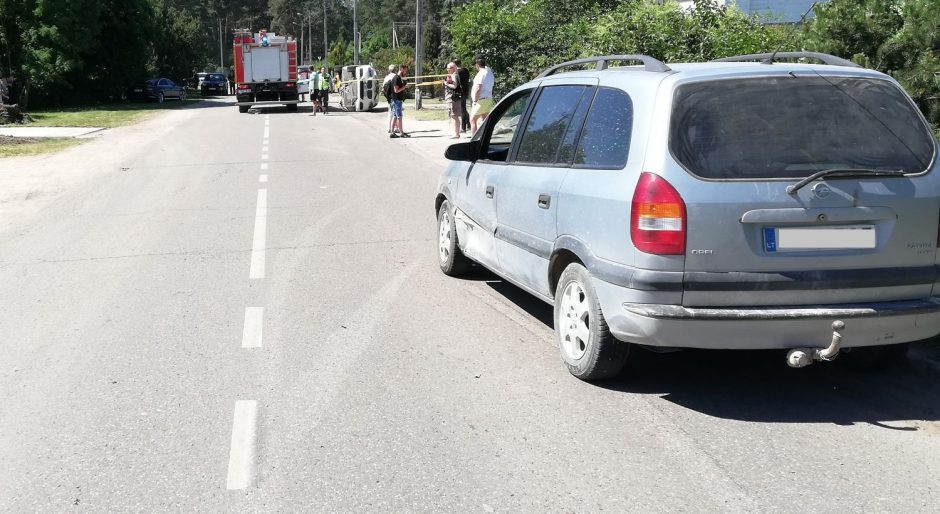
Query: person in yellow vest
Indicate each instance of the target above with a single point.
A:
(314, 91)
(324, 90)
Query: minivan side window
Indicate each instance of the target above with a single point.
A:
(605, 140)
(548, 123)
(504, 128)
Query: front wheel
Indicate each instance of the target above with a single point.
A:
(587, 347)
(182, 96)
(243, 109)
(452, 261)
(159, 98)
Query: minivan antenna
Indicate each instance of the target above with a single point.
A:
(770, 60)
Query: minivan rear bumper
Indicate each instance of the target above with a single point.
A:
(747, 328)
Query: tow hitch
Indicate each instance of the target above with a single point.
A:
(802, 357)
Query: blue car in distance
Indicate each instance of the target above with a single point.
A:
(158, 90)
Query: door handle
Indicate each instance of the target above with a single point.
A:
(545, 201)
(489, 191)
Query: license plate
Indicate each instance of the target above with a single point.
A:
(793, 239)
(137, 90)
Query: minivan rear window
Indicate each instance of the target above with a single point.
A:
(793, 126)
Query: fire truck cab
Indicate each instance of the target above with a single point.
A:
(265, 70)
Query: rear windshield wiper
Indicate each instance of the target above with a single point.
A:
(843, 172)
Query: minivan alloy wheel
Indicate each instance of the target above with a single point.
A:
(444, 241)
(452, 261)
(585, 342)
(575, 326)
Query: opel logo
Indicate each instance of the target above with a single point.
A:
(821, 190)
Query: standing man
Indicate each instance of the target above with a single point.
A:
(314, 91)
(399, 85)
(463, 74)
(388, 97)
(231, 83)
(324, 90)
(482, 93)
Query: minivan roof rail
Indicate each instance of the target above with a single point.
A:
(769, 58)
(650, 63)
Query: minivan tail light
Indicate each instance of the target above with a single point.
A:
(658, 217)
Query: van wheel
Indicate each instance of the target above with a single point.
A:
(243, 109)
(453, 262)
(874, 358)
(587, 347)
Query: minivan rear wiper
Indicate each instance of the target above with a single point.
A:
(843, 172)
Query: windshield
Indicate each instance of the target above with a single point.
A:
(793, 126)
(216, 77)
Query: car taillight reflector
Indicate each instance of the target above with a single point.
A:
(657, 217)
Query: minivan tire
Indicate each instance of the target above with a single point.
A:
(587, 347)
(243, 109)
(453, 262)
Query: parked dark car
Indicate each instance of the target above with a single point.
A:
(157, 90)
(214, 83)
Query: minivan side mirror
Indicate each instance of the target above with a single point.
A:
(469, 151)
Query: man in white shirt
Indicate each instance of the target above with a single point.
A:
(481, 93)
(389, 77)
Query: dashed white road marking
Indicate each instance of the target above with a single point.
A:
(254, 322)
(267, 131)
(264, 165)
(264, 148)
(264, 157)
(257, 244)
(242, 460)
(262, 178)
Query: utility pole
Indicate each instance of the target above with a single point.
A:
(302, 18)
(326, 49)
(355, 36)
(221, 52)
(419, 47)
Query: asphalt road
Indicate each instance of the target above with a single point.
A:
(244, 313)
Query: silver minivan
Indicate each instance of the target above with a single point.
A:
(744, 204)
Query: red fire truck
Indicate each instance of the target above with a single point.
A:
(265, 70)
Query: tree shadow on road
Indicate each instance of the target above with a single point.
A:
(758, 386)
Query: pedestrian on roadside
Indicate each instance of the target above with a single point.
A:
(388, 97)
(452, 97)
(482, 93)
(314, 91)
(464, 75)
(231, 83)
(399, 85)
(324, 90)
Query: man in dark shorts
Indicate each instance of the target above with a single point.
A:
(464, 75)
